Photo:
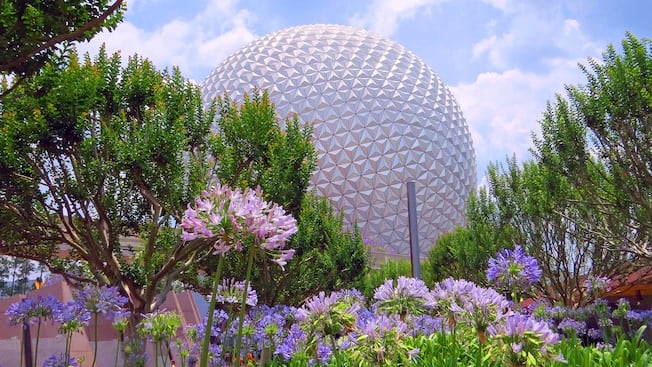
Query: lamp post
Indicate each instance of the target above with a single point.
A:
(414, 230)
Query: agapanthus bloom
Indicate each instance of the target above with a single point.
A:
(269, 324)
(59, 360)
(381, 341)
(513, 270)
(159, 326)
(30, 311)
(596, 284)
(101, 300)
(72, 316)
(403, 296)
(520, 339)
(230, 291)
(571, 326)
(350, 297)
(292, 343)
(324, 315)
(480, 308)
(229, 216)
(447, 293)
(622, 308)
(21, 311)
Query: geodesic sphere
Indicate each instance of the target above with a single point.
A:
(381, 118)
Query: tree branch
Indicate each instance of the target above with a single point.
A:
(72, 36)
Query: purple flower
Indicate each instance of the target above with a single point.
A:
(634, 316)
(72, 316)
(21, 311)
(482, 307)
(327, 315)
(292, 343)
(447, 294)
(596, 284)
(595, 334)
(30, 311)
(350, 297)
(403, 296)
(572, 327)
(159, 326)
(121, 319)
(101, 299)
(269, 325)
(227, 216)
(522, 338)
(426, 325)
(230, 291)
(380, 340)
(513, 270)
(59, 360)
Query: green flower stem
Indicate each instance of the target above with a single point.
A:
(211, 308)
(95, 341)
(38, 332)
(227, 326)
(243, 304)
(336, 353)
(68, 342)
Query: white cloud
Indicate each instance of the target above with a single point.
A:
(195, 45)
(383, 16)
(523, 32)
(503, 108)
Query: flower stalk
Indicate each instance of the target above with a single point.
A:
(203, 361)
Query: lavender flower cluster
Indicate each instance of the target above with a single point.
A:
(596, 322)
(382, 331)
(229, 216)
(513, 270)
(71, 316)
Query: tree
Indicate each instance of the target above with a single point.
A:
(255, 150)
(465, 251)
(14, 274)
(538, 203)
(93, 153)
(30, 32)
(599, 137)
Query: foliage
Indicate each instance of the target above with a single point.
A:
(465, 252)
(14, 275)
(634, 352)
(94, 153)
(341, 329)
(31, 31)
(536, 202)
(390, 269)
(255, 149)
(328, 257)
(583, 205)
(598, 138)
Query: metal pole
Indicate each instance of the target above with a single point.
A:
(414, 230)
(27, 345)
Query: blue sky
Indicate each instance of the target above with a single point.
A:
(502, 59)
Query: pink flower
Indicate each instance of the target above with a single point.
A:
(229, 216)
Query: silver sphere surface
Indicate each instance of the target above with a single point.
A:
(381, 118)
